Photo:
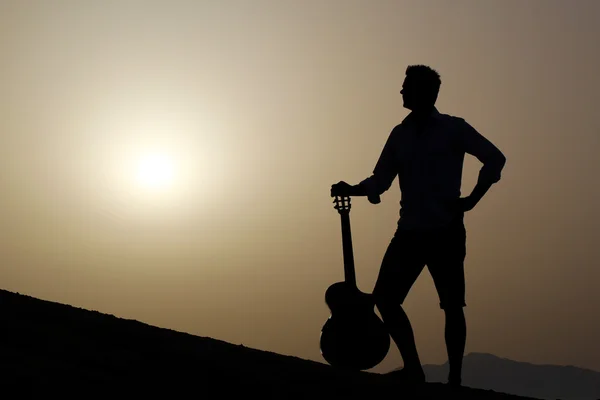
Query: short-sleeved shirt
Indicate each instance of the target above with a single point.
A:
(429, 165)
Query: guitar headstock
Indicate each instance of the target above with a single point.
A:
(342, 204)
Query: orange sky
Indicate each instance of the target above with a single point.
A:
(263, 105)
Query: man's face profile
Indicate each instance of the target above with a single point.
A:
(414, 94)
(408, 93)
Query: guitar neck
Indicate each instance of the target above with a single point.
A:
(348, 253)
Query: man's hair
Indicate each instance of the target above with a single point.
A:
(428, 80)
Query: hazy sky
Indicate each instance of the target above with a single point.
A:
(261, 105)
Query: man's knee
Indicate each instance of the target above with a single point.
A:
(452, 300)
(385, 301)
(380, 298)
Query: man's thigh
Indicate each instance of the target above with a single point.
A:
(402, 264)
(445, 261)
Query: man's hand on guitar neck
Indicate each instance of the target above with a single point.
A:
(345, 189)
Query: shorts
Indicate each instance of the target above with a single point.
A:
(443, 250)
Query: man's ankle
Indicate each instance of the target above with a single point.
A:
(416, 368)
(408, 374)
(454, 380)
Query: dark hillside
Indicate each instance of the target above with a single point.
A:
(51, 348)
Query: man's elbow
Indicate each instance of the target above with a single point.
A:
(500, 162)
(495, 167)
(375, 186)
(384, 185)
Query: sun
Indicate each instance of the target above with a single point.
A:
(155, 171)
(154, 157)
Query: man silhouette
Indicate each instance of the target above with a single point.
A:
(427, 151)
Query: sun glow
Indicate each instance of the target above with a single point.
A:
(155, 171)
(154, 159)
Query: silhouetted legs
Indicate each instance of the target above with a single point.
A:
(401, 332)
(401, 266)
(456, 337)
(443, 251)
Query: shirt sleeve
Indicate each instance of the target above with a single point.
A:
(385, 170)
(486, 152)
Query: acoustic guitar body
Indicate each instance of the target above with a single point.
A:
(354, 337)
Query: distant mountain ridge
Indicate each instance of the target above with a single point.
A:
(487, 371)
(48, 348)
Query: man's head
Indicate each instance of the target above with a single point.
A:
(420, 88)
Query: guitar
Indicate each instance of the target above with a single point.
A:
(353, 337)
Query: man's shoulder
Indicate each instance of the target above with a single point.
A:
(443, 117)
(398, 129)
(455, 124)
(445, 121)
(451, 119)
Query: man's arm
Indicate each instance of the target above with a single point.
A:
(489, 155)
(383, 175)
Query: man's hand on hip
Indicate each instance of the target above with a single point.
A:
(466, 203)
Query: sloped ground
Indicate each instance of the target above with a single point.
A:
(50, 348)
(543, 381)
